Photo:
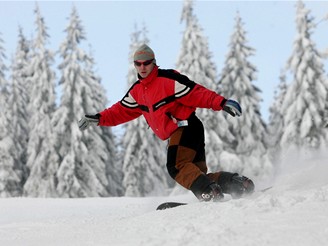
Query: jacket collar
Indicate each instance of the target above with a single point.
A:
(153, 74)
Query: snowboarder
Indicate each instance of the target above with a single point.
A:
(168, 100)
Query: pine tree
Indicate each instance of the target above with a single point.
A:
(249, 130)
(276, 120)
(104, 152)
(3, 81)
(195, 58)
(143, 153)
(306, 97)
(195, 62)
(10, 175)
(18, 101)
(85, 157)
(42, 160)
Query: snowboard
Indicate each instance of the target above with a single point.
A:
(167, 205)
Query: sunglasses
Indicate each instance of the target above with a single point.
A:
(145, 63)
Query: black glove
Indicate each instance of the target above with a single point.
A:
(88, 120)
(232, 107)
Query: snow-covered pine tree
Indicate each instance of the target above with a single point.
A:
(195, 61)
(85, 157)
(100, 141)
(249, 130)
(42, 160)
(18, 101)
(276, 120)
(306, 97)
(4, 86)
(10, 175)
(143, 154)
(195, 58)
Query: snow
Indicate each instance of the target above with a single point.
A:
(293, 212)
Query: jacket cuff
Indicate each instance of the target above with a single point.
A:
(101, 119)
(218, 103)
(223, 102)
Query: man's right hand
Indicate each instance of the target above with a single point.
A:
(88, 120)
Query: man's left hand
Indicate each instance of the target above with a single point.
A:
(232, 107)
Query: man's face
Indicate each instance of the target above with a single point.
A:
(144, 67)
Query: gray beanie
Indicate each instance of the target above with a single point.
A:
(144, 52)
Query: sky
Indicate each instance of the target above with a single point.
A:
(270, 27)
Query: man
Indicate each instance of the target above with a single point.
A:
(168, 100)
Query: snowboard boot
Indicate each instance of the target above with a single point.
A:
(235, 185)
(206, 190)
(213, 192)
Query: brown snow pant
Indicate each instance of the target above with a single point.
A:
(186, 162)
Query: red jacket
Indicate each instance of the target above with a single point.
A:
(162, 96)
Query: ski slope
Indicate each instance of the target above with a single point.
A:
(293, 212)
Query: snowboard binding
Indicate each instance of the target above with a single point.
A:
(235, 185)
